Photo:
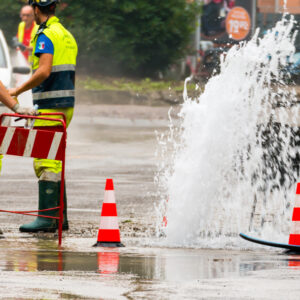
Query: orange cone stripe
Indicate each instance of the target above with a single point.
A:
(109, 210)
(109, 186)
(296, 214)
(109, 236)
(294, 239)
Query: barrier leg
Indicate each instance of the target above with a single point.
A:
(61, 215)
(26, 142)
(61, 204)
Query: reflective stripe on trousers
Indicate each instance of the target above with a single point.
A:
(47, 165)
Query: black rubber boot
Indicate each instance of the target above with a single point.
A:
(65, 223)
(48, 198)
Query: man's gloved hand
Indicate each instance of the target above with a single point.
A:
(17, 44)
(30, 111)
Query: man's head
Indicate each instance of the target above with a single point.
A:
(27, 15)
(43, 9)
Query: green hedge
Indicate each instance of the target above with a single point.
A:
(10, 17)
(138, 37)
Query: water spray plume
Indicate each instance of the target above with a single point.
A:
(230, 164)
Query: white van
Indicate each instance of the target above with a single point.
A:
(7, 70)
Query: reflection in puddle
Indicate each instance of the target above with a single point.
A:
(108, 262)
(157, 264)
(294, 261)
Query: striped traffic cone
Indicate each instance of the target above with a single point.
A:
(109, 233)
(295, 231)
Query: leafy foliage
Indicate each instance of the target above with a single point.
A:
(10, 17)
(134, 36)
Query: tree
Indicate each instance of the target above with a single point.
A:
(10, 17)
(139, 37)
(136, 36)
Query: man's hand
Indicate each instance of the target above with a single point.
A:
(13, 92)
(30, 111)
(29, 49)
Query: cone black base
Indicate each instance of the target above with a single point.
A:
(108, 244)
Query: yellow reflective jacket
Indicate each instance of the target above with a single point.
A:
(21, 31)
(58, 90)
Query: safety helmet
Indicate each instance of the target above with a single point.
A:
(42, 2)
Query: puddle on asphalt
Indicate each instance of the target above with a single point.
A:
(144, 263)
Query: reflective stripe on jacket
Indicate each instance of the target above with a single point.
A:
(58, 90)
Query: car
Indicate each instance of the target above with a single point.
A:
(5, 63)
(8, 72)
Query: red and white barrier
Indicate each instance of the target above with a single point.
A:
(295, 229)
(109, 232)
(44, 143)
(31, 143)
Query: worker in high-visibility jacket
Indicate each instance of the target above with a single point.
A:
(26, 31)
(53, 88)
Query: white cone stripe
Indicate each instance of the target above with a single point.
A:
(297, 201)
(30, 143)
(295, 228)
(7, 140)
(109, 197)
(109, 223)
(55, 144)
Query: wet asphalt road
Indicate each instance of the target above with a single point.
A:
(119, 142)
(103, 142)
(34, 269)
